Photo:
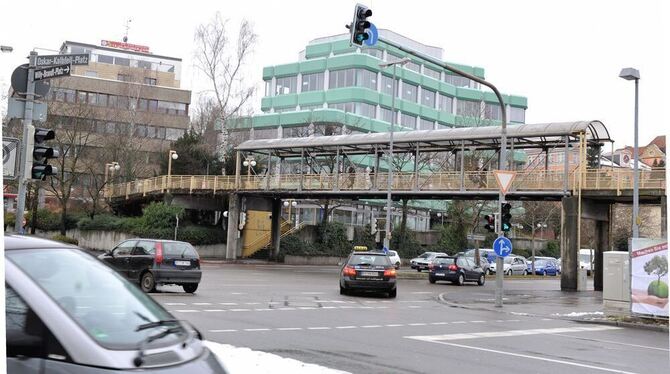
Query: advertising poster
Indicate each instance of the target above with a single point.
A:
(649, 281)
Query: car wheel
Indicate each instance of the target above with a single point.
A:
(148, 283)
(489, 271)
(461, 280)
(481, 280)
(431, 279)
(525, 272)
(509, 272)
(544, 273)
(393, 293)
(418, 269)
(343, 291)
(190, 287)
(397, 265)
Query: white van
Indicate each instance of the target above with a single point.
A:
(586, 259)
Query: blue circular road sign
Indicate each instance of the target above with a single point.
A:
(373, 35)
(502, 246)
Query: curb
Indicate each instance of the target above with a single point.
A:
(642, 326)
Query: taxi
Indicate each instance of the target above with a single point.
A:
(368, 271)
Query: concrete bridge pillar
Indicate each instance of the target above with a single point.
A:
(664, 217)
(276, 227)
(569, 245)
(233, 240)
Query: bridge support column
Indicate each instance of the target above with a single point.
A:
(664, 217)
(602, 245)
(233, 238)
(275, 228)
(569, 245)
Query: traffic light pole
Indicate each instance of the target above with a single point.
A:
(27, 123)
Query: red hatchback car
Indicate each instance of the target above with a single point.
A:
(150, 262)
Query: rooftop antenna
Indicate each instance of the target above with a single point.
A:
(125, 37)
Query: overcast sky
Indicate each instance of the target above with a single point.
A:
(565, 56)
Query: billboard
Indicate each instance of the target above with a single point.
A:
(649, 276)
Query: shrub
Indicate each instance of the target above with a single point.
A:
(332, 240)
(65, 239)
(51, 221)
(161, 215)
(553, 249)
(293, 245)
(100, 222)
(10, 219)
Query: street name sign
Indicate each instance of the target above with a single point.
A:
(74, 59)
(504, 179)
(52, 72)
(502, 246)
(10, 157)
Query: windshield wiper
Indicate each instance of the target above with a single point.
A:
(162, 322)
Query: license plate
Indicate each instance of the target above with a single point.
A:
(182, 263)
(439, 274)
(369, 274)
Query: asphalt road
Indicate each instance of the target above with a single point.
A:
(297, 312)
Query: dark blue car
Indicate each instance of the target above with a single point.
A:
(544, 267)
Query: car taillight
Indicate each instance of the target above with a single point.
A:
(349, 271)
(453, 267)
(159, 252)
(389, 273)
(431, 266)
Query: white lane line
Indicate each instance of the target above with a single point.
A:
(263, 309)
(227, 303)
(328, 307)
(254, 330)
(366, 307)
(535, 358)
(394, 325)
(239, 310)
(238, 293)
(497, 334)
(417, 324)
(345, 327)
(458, 322)
(477, 321)
(186, 311)
(614, 342)
(381, 307)
(306, 308)
(319, 328)
(347, 307)
(223, 330)
(174, 303)
(312, 293)
(546, 319)
(439, 323)
(285, 309)
(202, 303)
(370, 326)
(215, 310)
(289, 328)
(252, 303)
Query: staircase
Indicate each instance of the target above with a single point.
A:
(265, 240)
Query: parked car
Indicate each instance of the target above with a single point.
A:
(529, 262)
(368, 271)
(512, 265)
(545, 267)
(455, 269)
(422, 262)
(586, 259)
(559, 264)
(489, 253)
(483, 262)
(66, 312)
(149, 263)
(395, 259)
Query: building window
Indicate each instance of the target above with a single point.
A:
(387, 85)
(517, 115)
(123, 102)
(143, 105)
(102, 100)
(373, 52)
(441, 126)
(123, 77)
(152, 105)
(431, 73)
(312, 82)
(468, 108)
(121, 61)
(268, 86)
(366, 78)
(81, 97)
(457, 80)
(342, 78)
(409, 91)
(413, 66)
(105, 59)
(426, 124)
(386, 114)
(492, 111)
(408, 120)
(92, 74)
(445, 103)
(150, 81)
(365, 110)
(173, 134)
(286, 85)
(141, 131)
(144, 64)
(295, 132)
(92, 98)
(428, 98)
(111, 103)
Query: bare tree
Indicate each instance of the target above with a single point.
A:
(223, 64)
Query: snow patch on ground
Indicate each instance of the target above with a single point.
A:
(239, 360)
(579, 314)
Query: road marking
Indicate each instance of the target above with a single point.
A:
(239, 310)
(394, 325)
(370, 326)
(223, 330)
(417, 324)
(414, 301)
(366, 307)
(614, 342)
(228, 303)
(535, 357)
(414, 306)
(238, 293)
(202, 303)
(381, 307)
(318, 328)
(285, 309)
(252, 303)
(215, 310)
(345, 327)
(421, 292)
(253, 330)
(306, 308)
(174, 303)
(263, 309)
(347, 307)
(289, 328)
(439, 323)
(477, 321)
(328, 307)
(497, 334)
(186, 311)
(459, 322)
(312, 293)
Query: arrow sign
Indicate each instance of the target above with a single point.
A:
(504, 179)
(73, 59)
(502, 246)
(52, 72)
(10, 152)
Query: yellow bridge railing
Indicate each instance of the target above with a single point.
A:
(592, 179)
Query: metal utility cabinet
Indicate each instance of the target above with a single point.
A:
(616, 276)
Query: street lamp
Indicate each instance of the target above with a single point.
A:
(439, 214)
(387, 237)
(249, 162)
(542, 226)
(110, 166)
(294, 204)
(630, 74)
(172, 155)
(6, 48)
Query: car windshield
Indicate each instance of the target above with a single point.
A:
(425, 255)
(375, 260)
(509, 260)
(96, 297)
(585, 258)
(540, 262)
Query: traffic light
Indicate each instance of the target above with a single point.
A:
(506, 217)
(38, 154)
(490, 225)
(360, 24)
(373, 226)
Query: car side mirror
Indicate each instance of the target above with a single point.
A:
(110, 253)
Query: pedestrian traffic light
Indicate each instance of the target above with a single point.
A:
(360, 24)
(38, 153)
(506, 217)
(490, 220)
(373, 226)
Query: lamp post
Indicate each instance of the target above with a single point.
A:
(630, 74)
(6, 49)
(292, 203)
(387, 237)
(439, 214)
(110, 166)
(249, 162)
(172, 155)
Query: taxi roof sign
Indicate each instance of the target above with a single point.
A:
(360, 248)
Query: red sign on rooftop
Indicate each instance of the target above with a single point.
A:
(123, 45)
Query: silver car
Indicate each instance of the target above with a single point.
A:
(422, 262)
(66, 312)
